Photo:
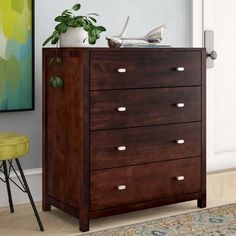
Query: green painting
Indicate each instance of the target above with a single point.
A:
(16, 55)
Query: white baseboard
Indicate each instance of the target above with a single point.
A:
(34, 179)
(222, 160)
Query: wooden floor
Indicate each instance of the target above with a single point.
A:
(221, 190)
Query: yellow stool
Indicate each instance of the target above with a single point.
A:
(12, 147)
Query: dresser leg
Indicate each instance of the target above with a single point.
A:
(46, 206)
(201, 203)
(83, 223)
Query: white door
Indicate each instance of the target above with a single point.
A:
(219, 16)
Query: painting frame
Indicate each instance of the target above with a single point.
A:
(32, 108)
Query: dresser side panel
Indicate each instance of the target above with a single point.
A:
(63, 127)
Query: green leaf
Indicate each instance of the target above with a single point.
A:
(94, 32)
(72, 23)
(58, 60)
(66, 13)
(93, 19)
(76, 7)
(97, 33)
(58, 26)
(64, 29)
(61, 28)
(60, 19)
(88, 27)
(68, 20)
(80, 21)
(92, 40)
(79, 17)
(55, 40)
(56, 81)
(55, 33)
(88, 22)
(101, 28)
(92, 14)
(48, 40)
(92, 37)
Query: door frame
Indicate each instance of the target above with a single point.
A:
(198, 27)
(197, 23)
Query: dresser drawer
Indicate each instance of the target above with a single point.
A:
(140, 183)
(123, 147)
(141, 107)
(118, 70)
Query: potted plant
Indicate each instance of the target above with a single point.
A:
(74, 30)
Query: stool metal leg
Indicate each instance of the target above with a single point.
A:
(8, 186)
(29, 194)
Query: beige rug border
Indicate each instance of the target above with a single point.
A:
(153, 220)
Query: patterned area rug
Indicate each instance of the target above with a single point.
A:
(218, 221)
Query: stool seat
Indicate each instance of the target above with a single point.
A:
(13, 145)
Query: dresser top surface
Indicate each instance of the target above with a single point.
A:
(106, 49)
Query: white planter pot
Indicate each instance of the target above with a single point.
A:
(74, 37)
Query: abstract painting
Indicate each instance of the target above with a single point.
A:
(16, 55)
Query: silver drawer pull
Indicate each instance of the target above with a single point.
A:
(121, 187)
(180, 105)
(121, 70)
(180, 69)
(121, 148)
(180, 141)
(180, 178)
(121, 109)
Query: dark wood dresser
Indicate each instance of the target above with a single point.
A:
(125, 131)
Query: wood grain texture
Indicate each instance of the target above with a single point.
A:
(144, 145)
(144, 107)
(144, 182)
(143, 205)
(63, 142)
(144, 69)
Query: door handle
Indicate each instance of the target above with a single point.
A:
(209, 45)
(213, 55)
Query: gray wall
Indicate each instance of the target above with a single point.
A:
(145, 15)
